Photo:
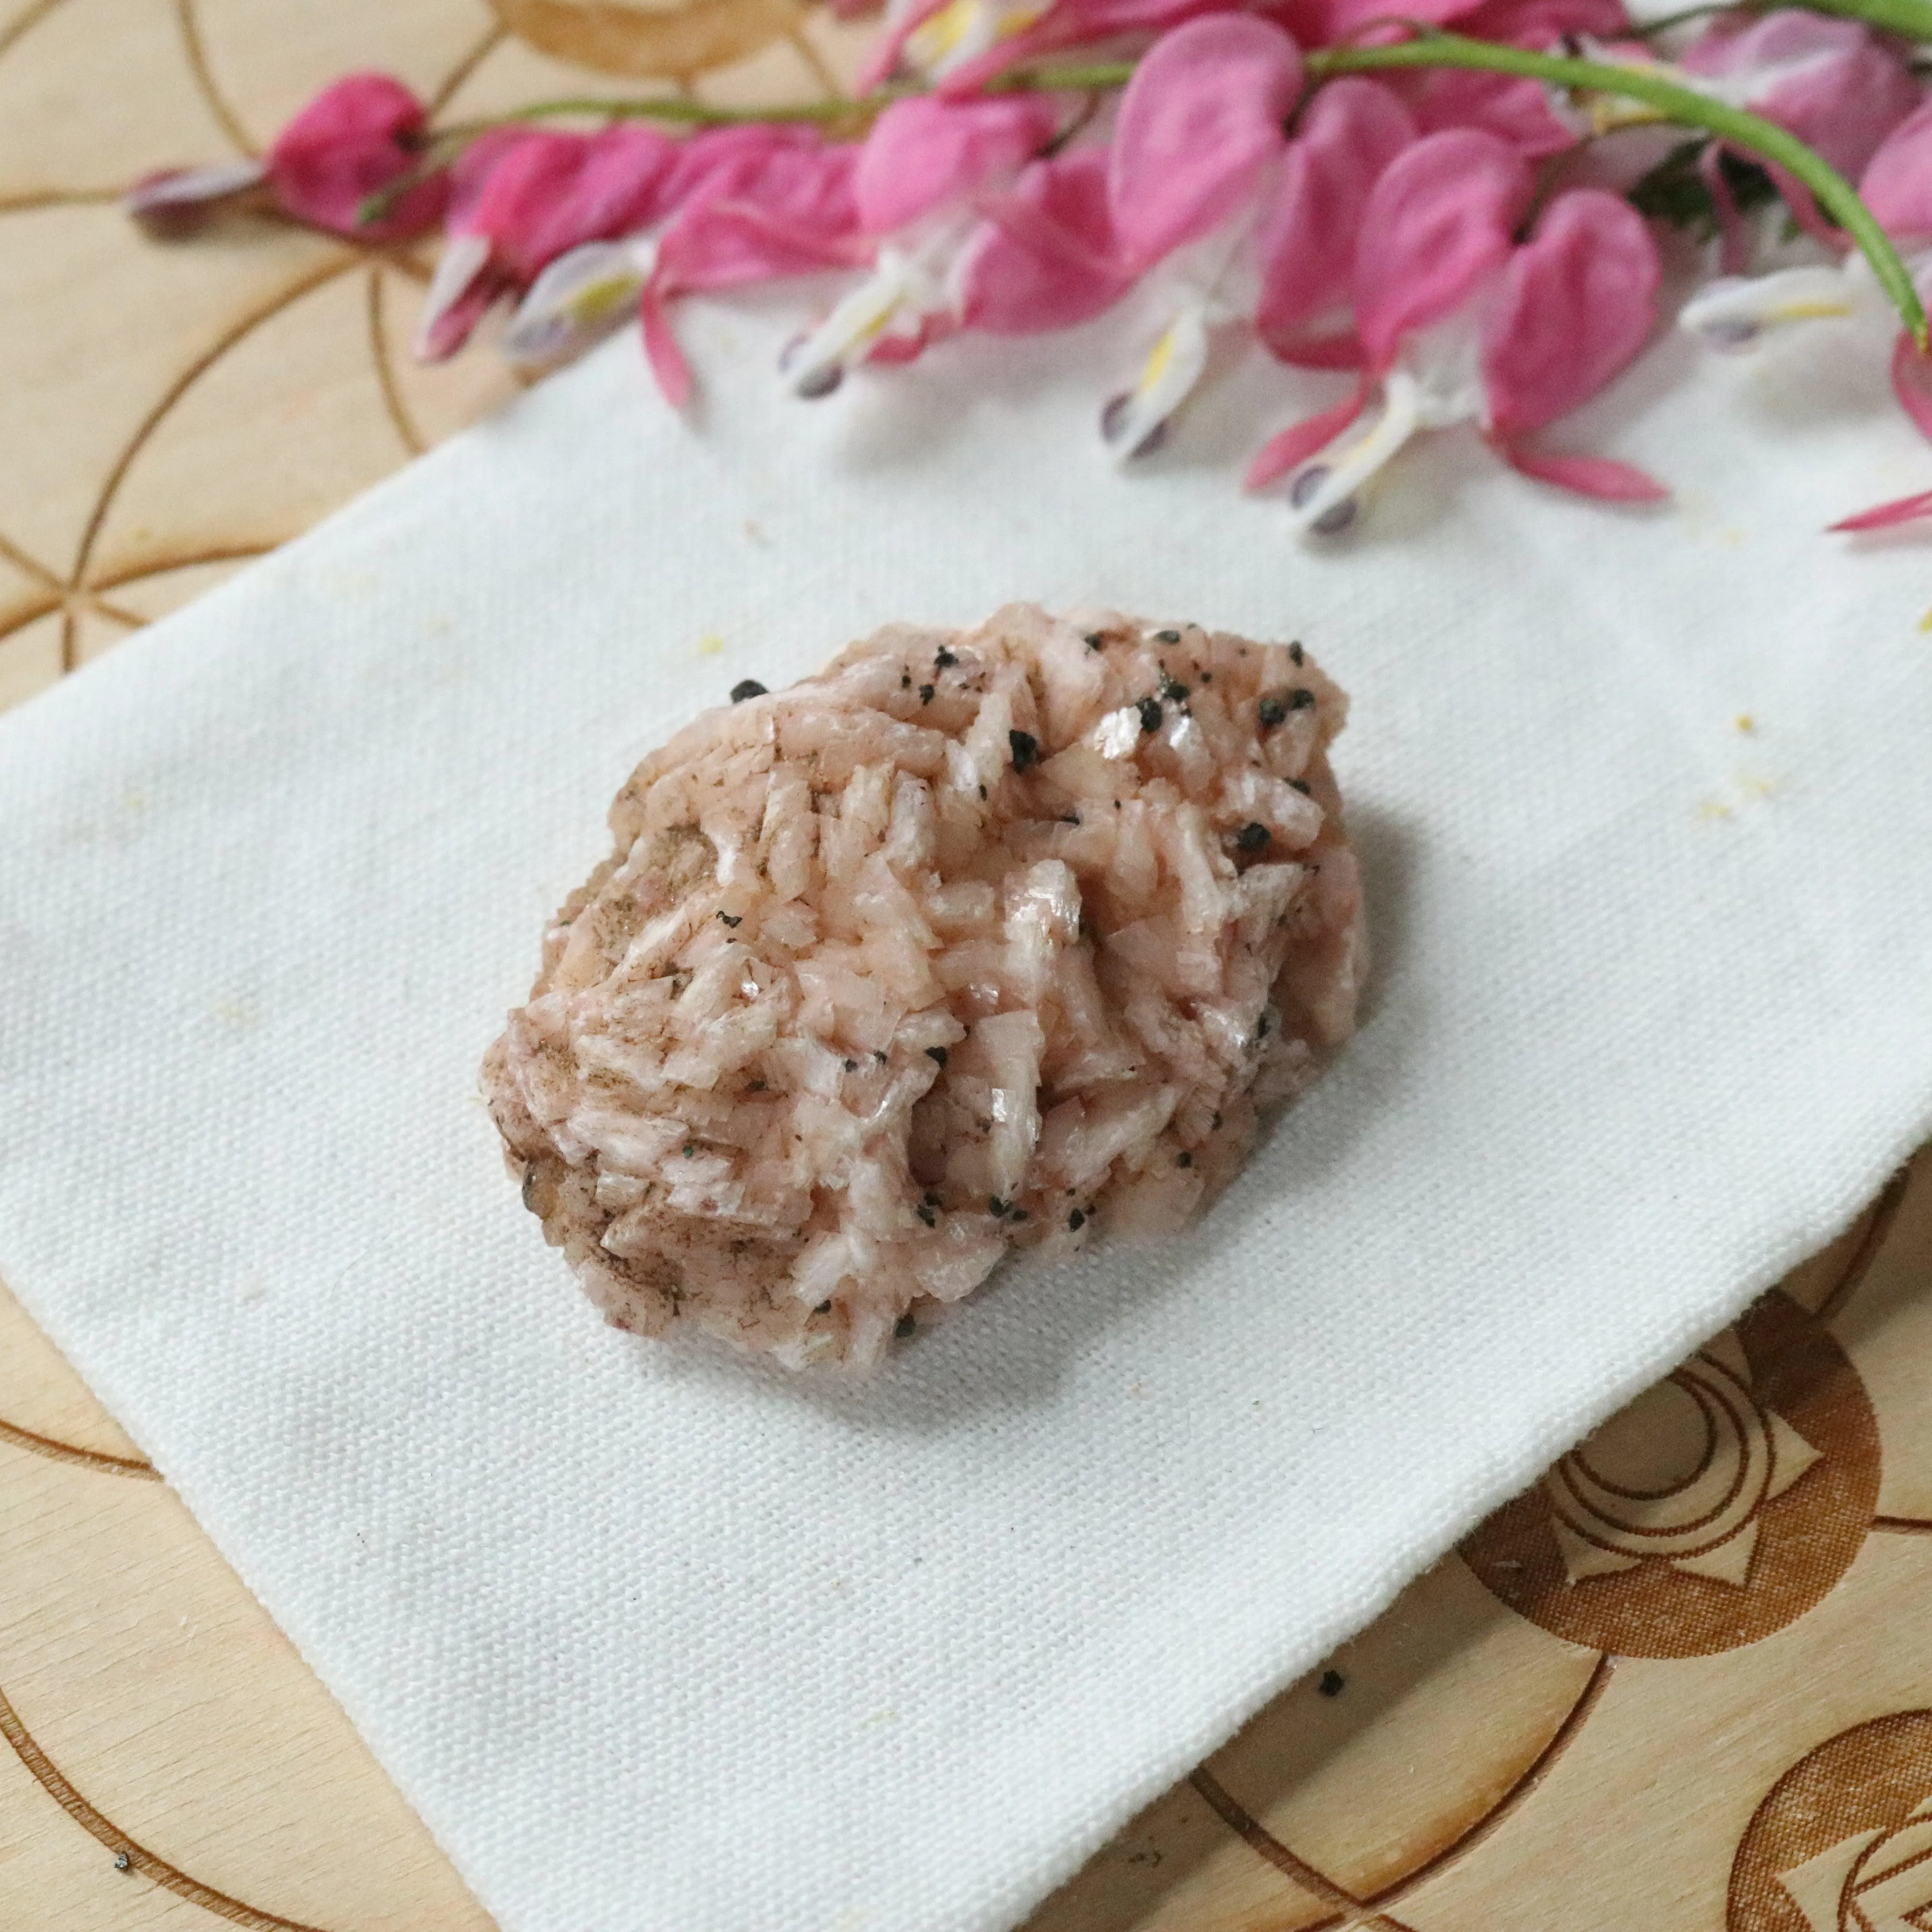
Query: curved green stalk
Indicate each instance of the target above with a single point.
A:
(447, 142)
(676, 107)
(1672, 101)
(1100, 74)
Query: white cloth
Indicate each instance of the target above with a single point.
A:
(661, 1640)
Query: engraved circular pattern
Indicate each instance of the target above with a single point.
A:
(1695, 1554)
(1842, 1841)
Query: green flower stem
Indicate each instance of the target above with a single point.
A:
(1674, 102)
(1102, 74)
(447, 142)
(686, 113)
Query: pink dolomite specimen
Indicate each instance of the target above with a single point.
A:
(976, 940)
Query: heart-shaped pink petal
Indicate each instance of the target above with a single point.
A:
(783, 207)
(351, 140)
(1045, 257)
(1831, 82)
(1437, 225)
(1199, 121)
(1305, 242)
(667, 360)
(1514, 110)
(924, 153)
(1884, 516)
(1578, 300)
(515, 206)
(1897, 184)
(1600, 477)
(1912, 382)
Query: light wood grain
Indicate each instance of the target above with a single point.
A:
(1628, 1749)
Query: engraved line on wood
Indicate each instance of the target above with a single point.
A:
(404, 263)
(70, 1452)
(1884, 1211)
(32, 613)
(1375, 1906)
(385, 374)
(216, 553)
(828, 82)
(1349, 1910)
(48, 1775)
(1739, 1407)
(62, 599)
(1539, 1768)
(292, 293)
(491, 40)
(57, 197)
(25, 22)
(31, 566)
(196, 53)
(133, 620)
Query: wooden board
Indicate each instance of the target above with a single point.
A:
(1683, 1685)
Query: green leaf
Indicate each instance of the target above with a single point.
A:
(1675, 191)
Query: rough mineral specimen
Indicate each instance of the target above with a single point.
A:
(976, 940)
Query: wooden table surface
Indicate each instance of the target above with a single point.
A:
(1683, 1685)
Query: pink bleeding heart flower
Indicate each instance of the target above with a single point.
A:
(583, 293)
(1198, 147)
(1200, 121)
(1255, 228)
(1461, 324)
(1911, 383)
(1518, 110)
(919, 175)
(520, 201)
(1578, 300)
(961, 45)
(1897, 184)
(1045, 257)
(1905, 202)
(924, 155)
(1436, 227)
(1886, 516)
(1351, 132)
(1831, 82)
(174, 203)
(778, 201)
(1736, 314)
(354, 139)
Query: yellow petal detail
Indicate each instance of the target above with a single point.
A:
(1808, 311)
(1155, 367)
